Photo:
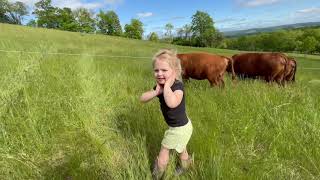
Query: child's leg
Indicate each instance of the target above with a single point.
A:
(184, 155)
(185, 160)
(161, 163)
(163, 158)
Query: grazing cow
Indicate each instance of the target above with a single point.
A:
(290, 70)
(205, 66)
(268, 66)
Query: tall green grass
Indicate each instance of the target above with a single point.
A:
(78, 116)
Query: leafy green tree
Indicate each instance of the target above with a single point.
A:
(134, 29)
(84, 20)
(288, 41)
(108, 23)
(218, 39)
(305, 40)
(298, 45)
(242, 43)
(203, 31)
(4, 8)
(66, 20)
(153, 37)
(267, 43)
(318, 47)
(12, 12)
(223, 45)
(311, 32)
(183, 36)
(169, 27)
(46, 14)
(309, 44)
(16, 12)
(186, 32)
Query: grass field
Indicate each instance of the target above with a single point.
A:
(69, 109)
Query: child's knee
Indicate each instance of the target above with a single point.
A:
(184, 155)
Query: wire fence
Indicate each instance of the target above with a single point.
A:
(101, 55)
(74, 54)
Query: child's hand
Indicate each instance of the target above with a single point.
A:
(159, 89)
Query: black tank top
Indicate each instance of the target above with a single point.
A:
(174, 117)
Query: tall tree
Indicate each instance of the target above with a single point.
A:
(203, 31)
(108, 23)
(187, 31)
(66, 20)
(169, 27)
(12, 12)
(84, 20)
(46, 14)
(134, 29)
(153, 37)
(16, 12)
(4, 8)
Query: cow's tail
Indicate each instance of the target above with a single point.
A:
(231, 69)
(294, 73)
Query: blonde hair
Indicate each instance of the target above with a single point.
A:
(169, 56)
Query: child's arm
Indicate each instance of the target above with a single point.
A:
(147, 96)
(172, 99)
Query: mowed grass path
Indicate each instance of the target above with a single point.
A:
(78, 116)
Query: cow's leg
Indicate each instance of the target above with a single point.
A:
(280, 79)
(278, 76)
(213, 82)
(222, 85)
(221, 81)
(281, 82)
(267, 79)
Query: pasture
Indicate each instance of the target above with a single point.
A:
(69, 109)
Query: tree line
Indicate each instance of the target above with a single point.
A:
(78, 20)
(201, 31)
(303, 40)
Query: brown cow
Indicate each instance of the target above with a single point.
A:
(205, 66)
(269, 66)
(290, 70)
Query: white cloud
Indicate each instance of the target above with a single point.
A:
(309, 11)
(305, 15)
(228, 20)
(143, 15)
(254, 3)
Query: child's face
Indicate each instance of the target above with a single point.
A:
(162, 71)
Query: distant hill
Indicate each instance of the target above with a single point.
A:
(268, 29)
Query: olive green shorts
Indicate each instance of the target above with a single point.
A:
(177, 137)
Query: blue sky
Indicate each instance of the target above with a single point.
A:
(227, 14)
